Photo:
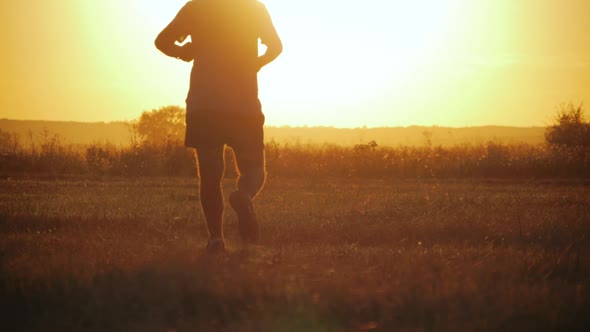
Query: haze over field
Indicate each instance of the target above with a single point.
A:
(119, 133)
(346, 63)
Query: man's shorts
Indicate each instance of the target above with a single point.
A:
(240, 130)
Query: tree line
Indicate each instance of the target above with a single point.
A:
(157, 149)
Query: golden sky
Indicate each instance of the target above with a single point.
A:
(345, 63)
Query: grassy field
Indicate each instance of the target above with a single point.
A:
(338, 254)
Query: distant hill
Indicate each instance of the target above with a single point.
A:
(70, 132)
(118, 133)
(413, 135)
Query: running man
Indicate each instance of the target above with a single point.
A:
(222, 104)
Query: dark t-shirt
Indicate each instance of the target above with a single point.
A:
(225, 36)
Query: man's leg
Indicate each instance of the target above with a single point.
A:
(250, 165)
(211, 169)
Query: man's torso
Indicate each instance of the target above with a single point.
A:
(225, 36)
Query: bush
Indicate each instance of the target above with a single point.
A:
(570, 128)
(160, 127)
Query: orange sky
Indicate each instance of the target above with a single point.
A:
(346, 63)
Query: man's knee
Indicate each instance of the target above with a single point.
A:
(251, 180)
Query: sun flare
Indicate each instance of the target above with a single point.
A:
(345, 63)
(350, 55)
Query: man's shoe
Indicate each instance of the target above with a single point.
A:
(241, 202)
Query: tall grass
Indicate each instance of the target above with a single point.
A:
(52, 157)
(490, 159)
(482, 160)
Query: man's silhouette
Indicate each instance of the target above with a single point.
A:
(222, 104)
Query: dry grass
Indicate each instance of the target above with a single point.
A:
(339, 254)
(369, 160)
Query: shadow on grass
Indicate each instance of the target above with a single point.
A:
(256, 291)
(237, 292)
(133, 275)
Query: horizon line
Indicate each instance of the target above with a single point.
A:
(300, 126)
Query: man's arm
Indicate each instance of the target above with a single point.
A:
(176, 31)
(270, 38)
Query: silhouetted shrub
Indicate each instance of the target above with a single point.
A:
(570, 128)
(101, 159)
(163, 126)
(9, 143)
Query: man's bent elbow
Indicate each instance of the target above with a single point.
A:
(159, 43)
(163, 42)
(279, 47)
(276, 49)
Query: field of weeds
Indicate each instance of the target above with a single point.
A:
(337, 254)
(51, 157)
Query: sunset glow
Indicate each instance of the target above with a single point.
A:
(345, 63)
